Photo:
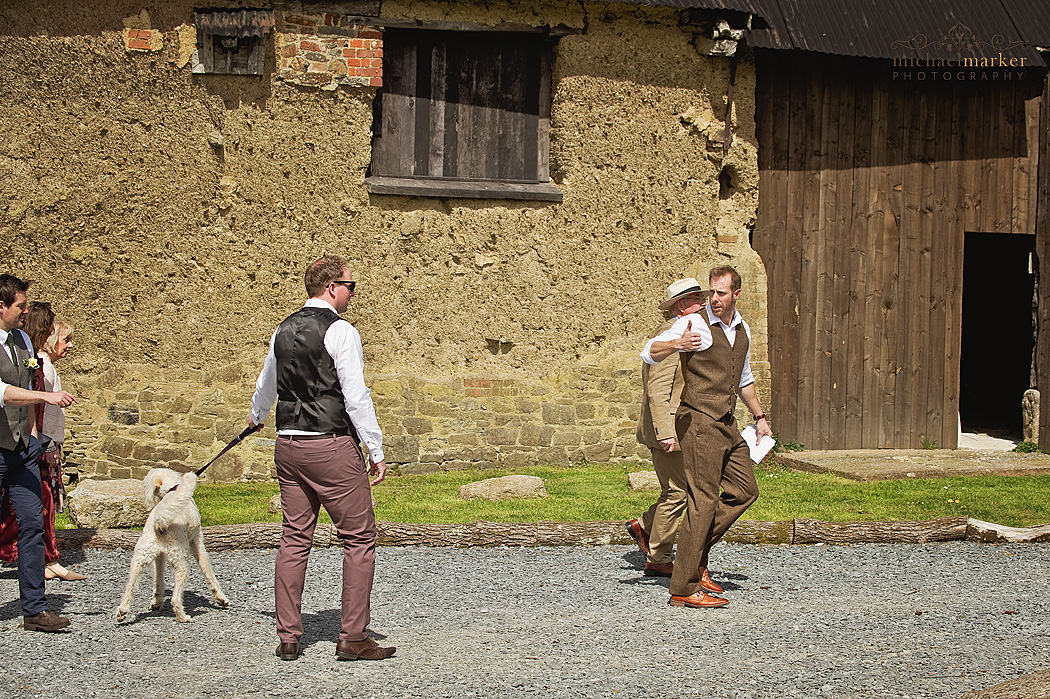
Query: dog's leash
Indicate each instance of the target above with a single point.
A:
(248, 431)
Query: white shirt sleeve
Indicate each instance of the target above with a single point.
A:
(265, 386)
(3, 387)
(676, 331)
(745, 375)
(343, 342)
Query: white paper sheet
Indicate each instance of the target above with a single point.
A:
(758, 447)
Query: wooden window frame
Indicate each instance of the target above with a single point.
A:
(480, 132)
(241, 52)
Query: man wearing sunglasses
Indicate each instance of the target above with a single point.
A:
(315, 373)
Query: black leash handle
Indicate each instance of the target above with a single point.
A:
(248, 431)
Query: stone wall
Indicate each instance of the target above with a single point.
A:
(170, 216)
(328, 51)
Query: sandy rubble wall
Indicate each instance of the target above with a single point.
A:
(496, 333)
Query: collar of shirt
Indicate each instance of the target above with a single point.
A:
(735, 321)
(319, 303)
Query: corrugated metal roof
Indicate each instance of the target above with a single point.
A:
(892, 28)
(899, 28)
(748, 6)
(235, 22)
(1032, 20)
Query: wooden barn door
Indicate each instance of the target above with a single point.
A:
(867, 186)
(1042, 247)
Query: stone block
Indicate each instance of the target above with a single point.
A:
(501, 435)
(585, 411)
(417, 425)
(456, 465)
(566, 438)
(401, 449)
(519, 460)
(643, 480)
(554, 414)
(123, 414)
(598, 452)
(96, 504)
(117, 446)
(504, 488)
(1030, 415)
(607, 385)
(160, 454)
(418, 468)
(466, 439)
(552, 455)
(527, 405)
(535, 435)
(434, 409)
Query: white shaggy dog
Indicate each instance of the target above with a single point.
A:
(172, 531)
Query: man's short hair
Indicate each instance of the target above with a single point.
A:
(723, 270)
(10, 287)
(323, 272)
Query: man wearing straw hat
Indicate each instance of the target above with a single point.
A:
(720, 480)
(662, 386)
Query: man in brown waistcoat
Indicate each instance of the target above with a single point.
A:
(315, 373)
(20, 452)
(716, 363)
(661, 393)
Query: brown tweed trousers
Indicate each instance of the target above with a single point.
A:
(715, 456)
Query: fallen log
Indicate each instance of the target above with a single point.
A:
(988, 533)
(265, 535)
(813, 531)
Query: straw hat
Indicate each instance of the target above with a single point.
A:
(678, 289)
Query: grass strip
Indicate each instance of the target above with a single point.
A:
(599, 492)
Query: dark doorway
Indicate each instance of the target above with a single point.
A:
(995, 363)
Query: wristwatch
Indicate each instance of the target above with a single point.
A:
(760, 416)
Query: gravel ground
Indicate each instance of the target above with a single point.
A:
(811, 621)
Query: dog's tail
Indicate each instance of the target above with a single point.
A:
(172, 501)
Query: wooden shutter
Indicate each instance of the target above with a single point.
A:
(463, 106)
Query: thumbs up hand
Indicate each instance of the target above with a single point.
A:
(689, 341)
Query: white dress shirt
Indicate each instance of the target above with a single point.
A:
(343, 343)
(7, 351)
(706, 340)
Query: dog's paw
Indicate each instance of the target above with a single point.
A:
(182, 618)
(221, 599)
(156, 604)
(120, 614)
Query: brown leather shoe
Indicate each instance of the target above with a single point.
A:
(634, 528)
(699, 600)
(288, 651)
(362, 650)
(708, 584)
(44, 621)
(659, 570)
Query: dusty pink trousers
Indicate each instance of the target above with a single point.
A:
(329, 472)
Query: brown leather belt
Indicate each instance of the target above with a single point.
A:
(306, 437)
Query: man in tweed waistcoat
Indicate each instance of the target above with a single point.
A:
(715, 345)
